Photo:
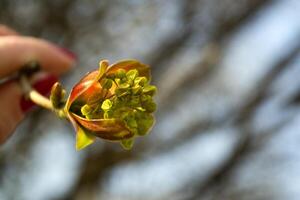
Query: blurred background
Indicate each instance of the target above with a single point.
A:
(228, 118)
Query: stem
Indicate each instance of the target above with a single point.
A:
(33, 95)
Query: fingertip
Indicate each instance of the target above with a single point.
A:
(69, 58)
(15, 51)
(58, 60)
(68, 53)
(4, 30)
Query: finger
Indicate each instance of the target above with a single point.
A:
(13, 105)
(11, 113)
(5, 31)
(15, 51)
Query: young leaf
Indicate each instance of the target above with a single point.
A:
(83, 139)
(57, 96)
(127, 144)
(145, 123)
(102, 68)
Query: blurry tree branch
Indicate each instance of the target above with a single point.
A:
(223, 28)
(248, 141)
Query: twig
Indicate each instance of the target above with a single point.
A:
(33, 95)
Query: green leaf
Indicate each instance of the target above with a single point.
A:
(106, 105)
(127, 144)
(83, 139)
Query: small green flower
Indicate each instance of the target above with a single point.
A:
(106, 105)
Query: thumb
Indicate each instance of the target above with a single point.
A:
(13, 106)
(15, 51)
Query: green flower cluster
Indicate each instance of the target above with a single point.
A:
(125, 96)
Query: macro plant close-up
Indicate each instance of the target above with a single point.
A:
(114, 103)
(149, 100)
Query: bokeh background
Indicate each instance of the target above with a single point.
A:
(228, 118)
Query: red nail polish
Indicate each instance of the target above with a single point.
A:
(43, 86)
(67, 52)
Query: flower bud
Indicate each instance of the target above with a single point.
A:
(113, 103)
(127, 144)
(57, 96)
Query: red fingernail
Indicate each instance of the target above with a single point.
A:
(43, 86)
(67, 52)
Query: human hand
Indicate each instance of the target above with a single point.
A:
(15, 51)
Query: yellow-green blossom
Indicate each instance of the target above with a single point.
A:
(114, 103)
